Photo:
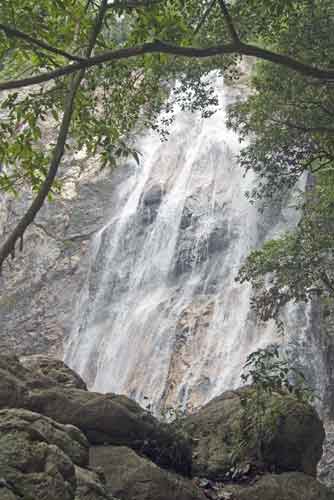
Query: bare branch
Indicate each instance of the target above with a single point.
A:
(229, 22)
(13, 32)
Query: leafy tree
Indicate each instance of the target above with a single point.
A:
(299, 265)
(274, 383)
(269, 372)
(97, 68)
(288, 124)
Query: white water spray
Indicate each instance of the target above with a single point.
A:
(160, 317)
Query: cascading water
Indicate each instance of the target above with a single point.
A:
(160, 317)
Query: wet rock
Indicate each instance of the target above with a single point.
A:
(196, 244)
(131, 477)
(153, 196)
(291, 439)
(191, 329)
(326, 464)
(150, 203)
(187, 218)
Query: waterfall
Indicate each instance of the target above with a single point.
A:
(160, 317)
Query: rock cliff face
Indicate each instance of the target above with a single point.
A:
(39, 288)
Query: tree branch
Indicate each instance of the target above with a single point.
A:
(204, 17)
(133, 4)
(8, 248)
(324, 75)
(13, 32)
(303, 128)
(229, 22)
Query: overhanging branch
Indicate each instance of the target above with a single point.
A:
(324, 75)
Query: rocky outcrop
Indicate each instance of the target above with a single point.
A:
(39, 288)
(57, 440)
(290, 437)
(103, 418)
(131, 477)
(191, 328)
(53, 368)
(112, 419)
(40, 459)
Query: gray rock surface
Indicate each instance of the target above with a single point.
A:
(90, 486)
(326, 464)
(54, 369)
(39, 288)
(41, 459)
(131, 477)
(36, 458)
(103, 418)
(46, 434)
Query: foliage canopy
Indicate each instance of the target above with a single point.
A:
(101, 68)
(289, 127)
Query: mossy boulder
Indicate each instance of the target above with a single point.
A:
(41, 459)
(133, 477)
(284, 435)
(285, 486)
(33, 461)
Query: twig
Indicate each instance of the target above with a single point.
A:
(229, 22)
(13, 32)
(204, 17)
